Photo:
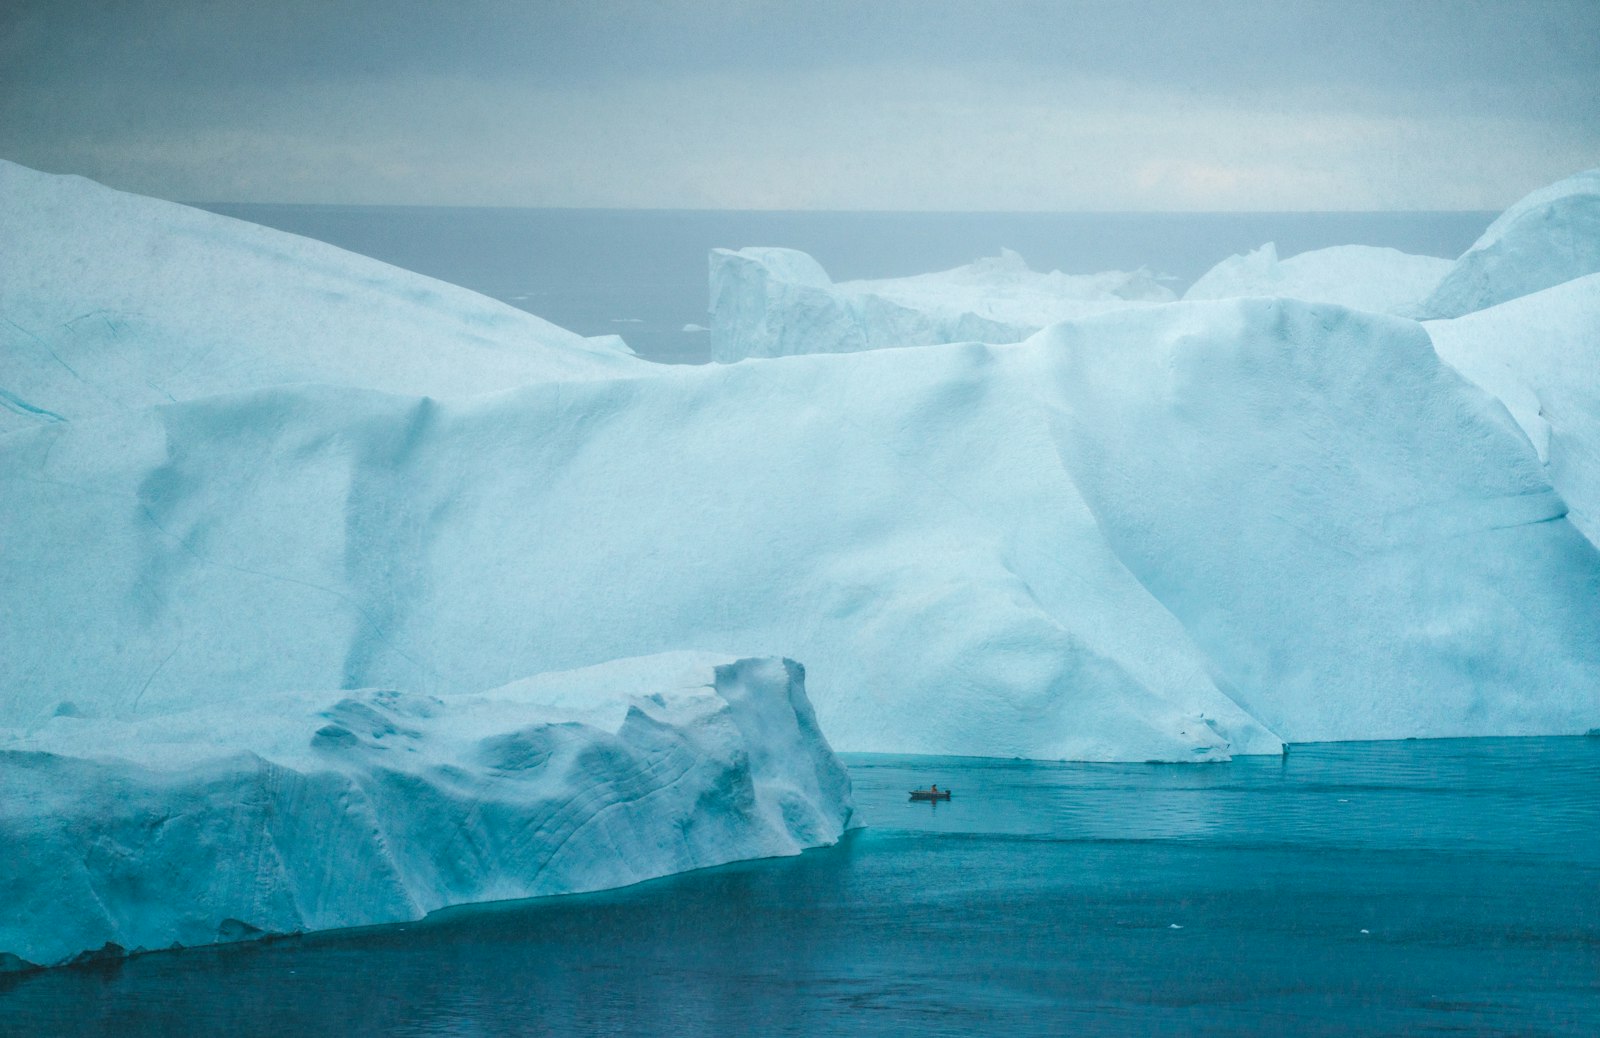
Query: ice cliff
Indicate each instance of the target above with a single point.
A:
(287, 812)
(1551, 236)
(1358, 276)
(770, 302)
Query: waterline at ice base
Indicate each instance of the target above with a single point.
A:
(258, 488)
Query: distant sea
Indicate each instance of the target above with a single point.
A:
(642, 274)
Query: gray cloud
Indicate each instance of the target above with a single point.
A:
(889, 104)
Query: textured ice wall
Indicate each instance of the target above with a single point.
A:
(770, 302)
(310, 811)
(1361, 277)
(1549, 237)
(110, 300)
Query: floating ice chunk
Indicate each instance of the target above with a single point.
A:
(1547, 238)
(309, 811)
(1358, 276)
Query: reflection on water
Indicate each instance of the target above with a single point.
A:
(1387, 888)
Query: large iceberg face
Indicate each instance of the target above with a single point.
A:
(1540, 354)
(301, 811)
(1361, 277)
(1347, 528)
(771, 302)
(1549, 237)
(114, 301)
(1274, 520)
(906, 529)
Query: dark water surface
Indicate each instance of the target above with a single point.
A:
(642, 274)
(1044, 899)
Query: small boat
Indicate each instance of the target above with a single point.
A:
(930, 794)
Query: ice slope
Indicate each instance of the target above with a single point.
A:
(770, 302)
(307, 811)
(110, 300)
(1549, 237)
(1358, 276)
(1540, 354)
(1361, 542)
(1296, 506)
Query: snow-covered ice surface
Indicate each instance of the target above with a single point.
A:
(1540, 354)
(772, 302)
(307, 811)
(1551, 236)
(1361, 277)
(110, 300)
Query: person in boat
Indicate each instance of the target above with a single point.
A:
(935, 788)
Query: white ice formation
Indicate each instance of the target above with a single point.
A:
(288, 812)
(770, 302)
(1362, 277)
(1169, 532)
(1549, 237)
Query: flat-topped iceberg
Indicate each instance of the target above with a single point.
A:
(770, 302)
(109, 300)
(287, 812)
(1549, 237)
(1361, 277)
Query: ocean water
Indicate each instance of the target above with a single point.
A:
(1405, 888)
(642, 274)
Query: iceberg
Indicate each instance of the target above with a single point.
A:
(1361, 277)
(113, 301)
(1540, 355)
(771, 302)
(253, 815)
(247, 466)
(1549, 237)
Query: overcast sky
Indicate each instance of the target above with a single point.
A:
(879, 104)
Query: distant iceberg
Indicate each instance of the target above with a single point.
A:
(308, 811)
(771, 302)
(1362, 277)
